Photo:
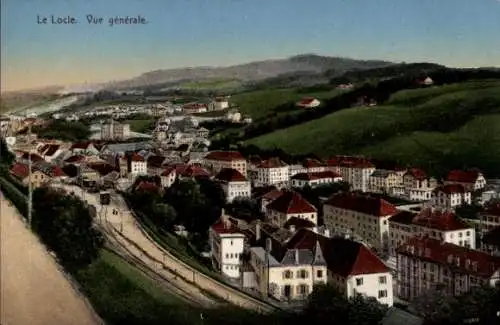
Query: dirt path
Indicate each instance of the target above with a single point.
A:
(33, 290)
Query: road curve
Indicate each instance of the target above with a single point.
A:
(33, 289)
(126, 224)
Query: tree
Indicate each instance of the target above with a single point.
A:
(164, 215)
(65, 224)
(437, 306)
(6, 157)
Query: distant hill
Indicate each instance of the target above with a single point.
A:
(308, 64)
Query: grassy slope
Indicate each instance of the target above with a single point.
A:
(261, 103)
(346, 131)
(210, 84)
(140, 126)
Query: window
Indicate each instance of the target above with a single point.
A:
(227, 255)
(319, 273)
(303, 288)
(382, 293)
(287, 274)
(302, 274)
(359, 281)
(231, 243)
(382, 280)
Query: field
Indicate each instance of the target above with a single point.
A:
(140, 125)
(211, 84)
(263, 103)
(425, 127)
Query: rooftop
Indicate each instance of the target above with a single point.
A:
(463, 176)
(230, 175)
(224, 155)
(362, 203)
(291, 202)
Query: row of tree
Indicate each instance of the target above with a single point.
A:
(63, 130)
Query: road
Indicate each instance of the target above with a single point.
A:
(34, 290)
(137, 241)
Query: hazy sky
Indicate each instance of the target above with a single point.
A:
(182, 33)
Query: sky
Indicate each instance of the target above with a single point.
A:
(180, 33)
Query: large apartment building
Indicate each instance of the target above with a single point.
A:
(217, 160)
(354, 170)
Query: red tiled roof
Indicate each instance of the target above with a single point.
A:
(272, 163)
(272, 195)
(291, 202)
(416, 173)
(224, 156)
(230, 175)
(462, 176)
(191, 171)
(343, 256)
(311, 163)
(34, 157)
(75, 159)
(493, 209)
(306, 101)
(147, 186)
(225, 227)
(350, 161)
(439, 220)
(403, 217)
(466, 260)
(362, 203)
(315, 175)
(58, 172)
(167, 171)
(20, 170)
(136, 157)
(450, 189)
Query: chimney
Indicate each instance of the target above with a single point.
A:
(257, 231)
(296, 256)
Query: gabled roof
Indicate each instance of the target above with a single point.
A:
(465, 260)
(291, 202)
(403, 217)
(135, 157)
(440, 220)
(273, 194)
(147, 186)
(299, 223)
(343, 256)
(225, 227)
(463, 176)
(191, 171)
(362, 203)
(167, 171)
(224, 155)
(20, 170)
(272, 163)
(230, 175)
(450, 189)
(416, 173)
(315, 175)
(81, 145)
(306, 101)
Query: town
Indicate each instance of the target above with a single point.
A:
(282, 227)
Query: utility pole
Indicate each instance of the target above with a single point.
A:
(30, 182)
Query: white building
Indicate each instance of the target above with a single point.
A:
(315, 179)
(444, 226)
(272, 172)
(450, 196)
(137, 165)
(234, 184)
(490, 217)
(354, 170)
(217, 160)
(361, 216)
(308, 259)
(382, 181)
(227, 244)
(221, 103)
(472, 180)
(424, 263)
(168, 177)
(288, 205)
(417, 185)
(114, 131)
(233, 116)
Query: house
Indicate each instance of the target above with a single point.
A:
(202, 132)
(315, 179)
(426, 81)
(50, 151)
(268, 198)
(21, 172)
(308, 102)
(424, 263)
(194, 108)
(308, 258)
(234, 184)
(440, 225)
(489, 218)
(85, 148)
(191, 171)
(54, 172)
(137, 165)
(314, 166)
(233, 116)
(381, 181)
(472, 180)
(490, 243)
(272, 172)
(168, 177)
(354, 170)
(217, 160)
(288, 205)
(226, 245)
(450, 196)
(221, 103)
(361, 216)
(417, 185)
